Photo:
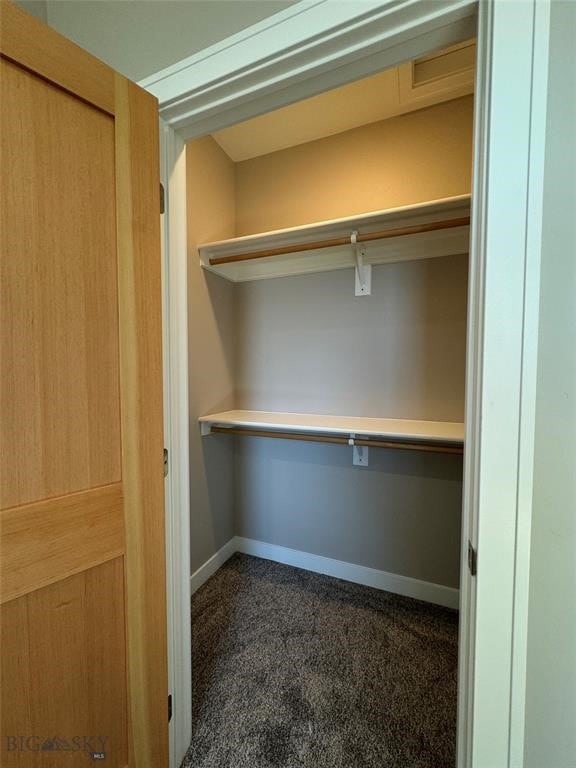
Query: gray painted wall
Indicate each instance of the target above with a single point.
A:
(308, 344)
(38, 8)
(211, 388)
(211, 210)
(401, 514)
(551, 668)
(140, 37)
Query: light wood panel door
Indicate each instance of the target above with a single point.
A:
(83, 614)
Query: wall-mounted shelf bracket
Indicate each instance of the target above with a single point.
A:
(205, 428)
(360, 455)
(363, 272)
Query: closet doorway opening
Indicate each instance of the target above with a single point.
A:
(306, 51)
(328, 248)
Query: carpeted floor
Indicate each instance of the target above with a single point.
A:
(294, 669)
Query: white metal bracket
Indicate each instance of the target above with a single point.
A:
(205, 428)
(360, 455)
(359, 452)
(363, 272)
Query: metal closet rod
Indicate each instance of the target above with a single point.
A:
(339, 440)
(415, 229)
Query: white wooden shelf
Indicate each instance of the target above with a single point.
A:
(353, 430)
(222, 257)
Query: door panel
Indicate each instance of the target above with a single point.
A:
(82, 587)
(61, 411)
(49, 635)
(39, 49)
(50, 540)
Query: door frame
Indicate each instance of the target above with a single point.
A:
(253, 72)
(176, 437)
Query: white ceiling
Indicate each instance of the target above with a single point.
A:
(438, 77)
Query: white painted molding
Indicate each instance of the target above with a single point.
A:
(358, 574)
(534, 223)
(175, 343)
(505, 253)
(202, 574)
(473, 401)
(266, 67)
(321, 45)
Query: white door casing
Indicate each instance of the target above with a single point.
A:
(305, 50)
(175, 346)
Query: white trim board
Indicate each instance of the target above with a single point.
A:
(202, 574)
(311, 47)
(358, 574)
(176, 428)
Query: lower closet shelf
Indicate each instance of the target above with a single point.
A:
(434, 436)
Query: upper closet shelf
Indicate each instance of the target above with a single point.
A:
(423, 231)
(442, 436)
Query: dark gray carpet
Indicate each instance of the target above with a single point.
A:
(295, 669)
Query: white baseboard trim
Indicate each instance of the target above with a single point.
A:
(359, 574)
(210, 567)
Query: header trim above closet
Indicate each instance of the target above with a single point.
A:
(422, 231)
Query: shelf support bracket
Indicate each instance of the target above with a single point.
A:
(205, 428)
(363, 272)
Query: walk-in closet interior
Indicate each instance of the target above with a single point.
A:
(328, 266)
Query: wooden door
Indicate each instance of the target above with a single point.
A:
(83, 615)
